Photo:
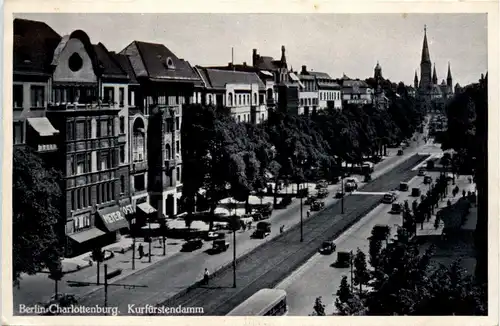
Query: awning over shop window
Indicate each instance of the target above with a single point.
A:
(146, 208)
(43, 126)
(113, 218)
(86, 235)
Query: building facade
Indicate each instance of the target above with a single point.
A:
(242, 92)
(166, 84)
(355, 91)
(76, 129)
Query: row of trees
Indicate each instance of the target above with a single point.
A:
(228, 158)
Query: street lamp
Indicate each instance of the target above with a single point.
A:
(301, 220)
(343, 194)
(149, 239)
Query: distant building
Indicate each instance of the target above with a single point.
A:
(355, 91)
(430, 94)
(328, 91)
(242, 92)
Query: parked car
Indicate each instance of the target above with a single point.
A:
(389, 198)
(421, 173)
(220, 245)
(265, 210)
(416, 192)
(266, 226)
(285, 201)
(350, 186)
(396, 208)
(339, 194)
(317, 205)
(327, 247)
(427, 180)
(400, 152)
(192, 244)
(211, 235)
(260, 234)
(322, 193)
(309, 200)
(403, 186)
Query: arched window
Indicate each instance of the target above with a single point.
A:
(168, 152)
(138, 135)
(230, 99)
(239, 99)
(209, 99)
(269, 93)
(255, 98)
(262, 118)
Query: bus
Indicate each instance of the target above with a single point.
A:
(265, 302)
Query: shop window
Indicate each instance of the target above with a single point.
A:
(37, 96)
(17, 97)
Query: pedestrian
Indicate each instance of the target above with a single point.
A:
(470, 179)
(281, 229)
(308, 213)
(141, 251)
(206, 275)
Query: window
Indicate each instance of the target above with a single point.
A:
(84, 195)
(37, 96)
(122, 125)
(121, 96)
(122, 154)
(78, 199)
(209, 99)
(177, 124)
(262, 118)
(239, 99)
(17, 96)
(261, 99)
(80, 130)
(178, 174)
(122, 184)
(105, 160)
(75, 62)
(72, 200)
(230, 99)
(98, 194)
(177, 147)
(109, 95)
(131, 97)
(102, 130)
(139, 182)
(239, 118)
(18, 132)
(110, 127)
(80, 164)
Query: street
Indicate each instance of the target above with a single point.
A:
(183, 269)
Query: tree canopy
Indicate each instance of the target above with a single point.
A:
(35, 214)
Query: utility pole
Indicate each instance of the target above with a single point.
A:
(106, 284)
(343, 194)
(352, 271)
(150, 240)
(301, 222)
(133, 252)
(234, 257)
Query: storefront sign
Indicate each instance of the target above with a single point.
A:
(113, 217)
(128, 209)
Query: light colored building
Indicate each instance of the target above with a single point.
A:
(320, 91)
(242, 92)
(355, 91)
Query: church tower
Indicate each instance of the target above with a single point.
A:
(449, 80)
(415, 80)
(425, 65)
(434, 76)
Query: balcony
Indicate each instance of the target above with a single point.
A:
(45, 148)
(139, 166)
(55, 107)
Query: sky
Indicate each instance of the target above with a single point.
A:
(331, 43)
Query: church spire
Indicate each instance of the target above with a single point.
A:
(425, 48)
(449, 79)
(283, 57)
(434, 76)
(415, 80)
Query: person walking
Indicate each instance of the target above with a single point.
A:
(308, 213)
(206, 275)
(141, 251)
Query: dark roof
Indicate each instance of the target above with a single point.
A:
(150, 60)
(110, 67)
(306, 77)
(268, 63)
(125, 65)
(354, 83)
(425, 50)
(245, 68)
(321, 75)
(220, 78)
(34, 45)
(328, 85)
(199, 82)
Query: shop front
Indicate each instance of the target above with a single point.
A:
(83, 235)
(114, 221)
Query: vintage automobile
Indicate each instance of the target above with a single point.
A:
(403, 186)
(416, 192)
(260, 233)
(400, 152)
(343, 259)
(321, 184)
(309, 200)
(389, 198)
(427, 180)
(220, 245)
(317, 205)
(322, 193)
(192, 244)
(339, 194)
(396, 208)
(327, 248)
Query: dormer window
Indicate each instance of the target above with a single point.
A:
(170, 63)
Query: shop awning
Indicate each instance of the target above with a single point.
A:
(43, 126)
(113, 218)
(86, 235)
(146, 208)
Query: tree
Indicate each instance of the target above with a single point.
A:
(375, 247)
(37, 224)
(361, 273)
(319, 307)
(344, 295)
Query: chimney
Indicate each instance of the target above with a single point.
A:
(304, 69)
(255, 57)
(244, 64)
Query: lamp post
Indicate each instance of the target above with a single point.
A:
(301, 222)
(234, 255)
(343, 194)
(150, 240)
